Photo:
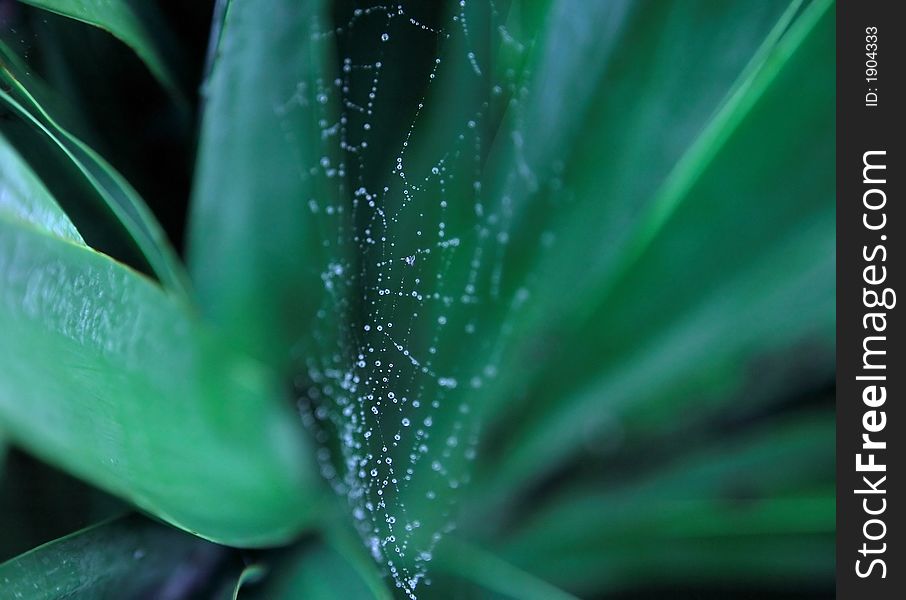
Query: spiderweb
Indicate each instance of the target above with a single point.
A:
(416, 239)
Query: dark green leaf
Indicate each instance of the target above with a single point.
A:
(120, 19)
(39, 503)
(495, 574)
(129, 557)
(255, 251)
(324, 571)
(729, 503)
(114, 191)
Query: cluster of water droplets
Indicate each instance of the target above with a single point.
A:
(414, 254)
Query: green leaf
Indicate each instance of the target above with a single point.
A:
(323, 571)
(341, 540)
(255, 248)
(128, 557)
(111, 188)
(22, 195)
(108, 377)
(249, 575)
(734, 472)
(729, 503)
(494, 574)
(39, 503)
(120, 19)
(730, 261)
(98, 226)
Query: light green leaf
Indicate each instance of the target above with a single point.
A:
(119, 19)
(255, 248)
(22, 195)
(106, 376)
(128, 557)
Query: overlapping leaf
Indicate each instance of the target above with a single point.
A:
(119, 18)
(111, 189)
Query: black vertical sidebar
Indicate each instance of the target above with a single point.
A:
(871, 371)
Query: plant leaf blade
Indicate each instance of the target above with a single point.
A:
(108, 377)
(254, 247)
(119, 19)
(112, 189)
(127, 557)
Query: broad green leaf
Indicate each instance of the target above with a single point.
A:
(255, 246)
(114, 191)
(107, 376)
(120, 19)
(22, 195)
(128, 557)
